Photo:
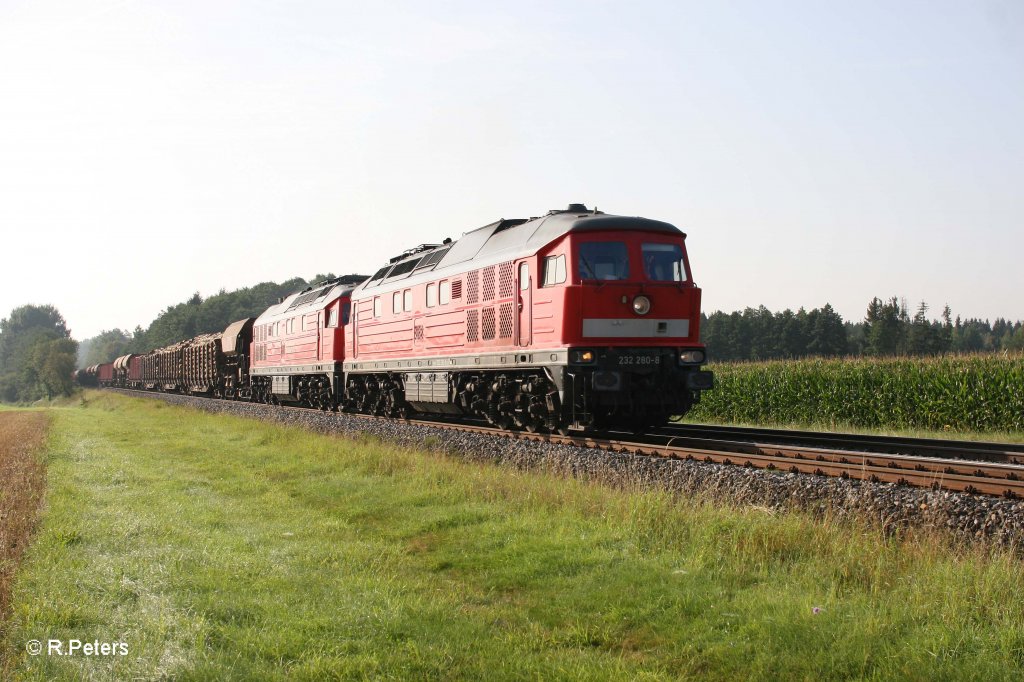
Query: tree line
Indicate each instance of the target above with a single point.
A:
(888, 329)
(190, 318)
(37, 354)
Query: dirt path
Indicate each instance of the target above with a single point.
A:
(22, 481)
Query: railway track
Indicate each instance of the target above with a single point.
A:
(961, 466)
(1007, 453)
(1000, 478)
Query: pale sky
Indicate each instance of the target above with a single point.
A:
(812, 151)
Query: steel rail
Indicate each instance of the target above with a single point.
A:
(1010, 453)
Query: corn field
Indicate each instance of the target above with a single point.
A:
(983, 392)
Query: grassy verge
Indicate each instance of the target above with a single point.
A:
(219, 548)
(22, 482)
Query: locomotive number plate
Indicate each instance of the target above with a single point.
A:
(638, 360)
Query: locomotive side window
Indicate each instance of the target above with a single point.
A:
(376, 306)
(332, 318)
(346, 312)
(446, 291)
(524, 276)
(431, 295)
(664, 263)
(603, 260)
(407, 297)
(396, 302)
(554, 270)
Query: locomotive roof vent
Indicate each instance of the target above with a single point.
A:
(576, 208)
(413, 251)
(506, 223)
(343, 279)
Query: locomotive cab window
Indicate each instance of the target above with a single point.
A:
(446, 291)
(332, 318)
(407, 298)
(346, 312)
(664, 263)
(554, 270)
(376, 306)
(431, 295)
(603, 261)
(396, 302)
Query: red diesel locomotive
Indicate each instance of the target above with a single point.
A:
(298, 346)
(572, 320)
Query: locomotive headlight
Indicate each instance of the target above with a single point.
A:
(641, 305)
(582, 356)
(691, 357)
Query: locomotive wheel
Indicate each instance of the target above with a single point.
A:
(499, 421)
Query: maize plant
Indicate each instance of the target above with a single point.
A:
(980, 392)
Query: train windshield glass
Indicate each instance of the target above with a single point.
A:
(603, 260)
(664, 263)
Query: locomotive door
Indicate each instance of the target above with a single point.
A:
(525, 305)
(326, 339)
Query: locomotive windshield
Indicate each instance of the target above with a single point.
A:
(603, 260)
(664, 263)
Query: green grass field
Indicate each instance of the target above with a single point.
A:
(220, 548)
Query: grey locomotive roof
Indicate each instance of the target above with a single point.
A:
(313, 298)
(492, 241)
(508, 239)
